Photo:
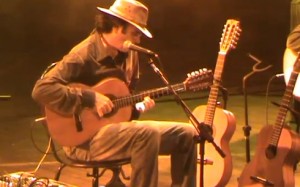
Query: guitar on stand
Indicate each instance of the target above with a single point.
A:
(222, 123)
(278, 147)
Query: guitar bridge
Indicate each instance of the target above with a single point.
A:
(262, 180)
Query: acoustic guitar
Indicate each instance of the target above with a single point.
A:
(278, 147)
(217, 170)
(72, 130)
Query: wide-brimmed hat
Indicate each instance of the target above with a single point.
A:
(131, 11)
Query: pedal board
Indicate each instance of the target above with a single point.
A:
(25, 179)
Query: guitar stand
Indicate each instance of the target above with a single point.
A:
(204, 131)
(247, 128)
(224, 92)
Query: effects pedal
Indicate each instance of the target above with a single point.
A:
(25, 179)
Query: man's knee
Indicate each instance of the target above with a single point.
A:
(149, 132)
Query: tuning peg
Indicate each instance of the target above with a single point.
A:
(203, 70)
(194, 73)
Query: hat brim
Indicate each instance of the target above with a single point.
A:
(142, 29)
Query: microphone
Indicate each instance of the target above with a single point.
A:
(129, 45)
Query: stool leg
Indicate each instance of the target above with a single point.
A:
(115, 180)
(95, 181)
(123, 174)
(59, 170)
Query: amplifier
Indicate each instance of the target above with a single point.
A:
(25, 179)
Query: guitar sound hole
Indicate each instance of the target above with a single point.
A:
(271, 151)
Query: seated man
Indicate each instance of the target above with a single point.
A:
(100, 56)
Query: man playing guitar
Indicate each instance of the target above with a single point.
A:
(102, 57)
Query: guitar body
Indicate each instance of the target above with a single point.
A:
(63, 129)
(74, 130)
(219, 172)
(278, 170)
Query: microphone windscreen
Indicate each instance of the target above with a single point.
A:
(127, 44)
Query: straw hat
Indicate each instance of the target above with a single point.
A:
(131, 11)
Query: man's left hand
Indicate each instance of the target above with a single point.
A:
(145, 105)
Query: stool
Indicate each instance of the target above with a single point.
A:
(114, 165)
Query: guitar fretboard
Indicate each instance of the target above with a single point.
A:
(154, 94)
(285, 103)
(214, 92)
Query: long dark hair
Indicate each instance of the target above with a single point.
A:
(105, 22)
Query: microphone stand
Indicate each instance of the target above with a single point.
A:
(204, 131)
(247, 127)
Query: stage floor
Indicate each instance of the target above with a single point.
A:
(19, 154)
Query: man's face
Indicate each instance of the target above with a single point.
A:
(131, 33)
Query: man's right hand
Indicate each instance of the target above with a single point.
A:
(103, 104)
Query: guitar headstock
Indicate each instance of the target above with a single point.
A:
(230, 35)
(199, 80)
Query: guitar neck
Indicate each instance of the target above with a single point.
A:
(285, 103)
(214, 91)
(230, 35)
(154, 94)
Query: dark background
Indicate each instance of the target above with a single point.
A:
(35, 33)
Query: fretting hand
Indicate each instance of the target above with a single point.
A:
(145, 105)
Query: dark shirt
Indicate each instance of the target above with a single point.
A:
(87, 63)
(293, 40)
